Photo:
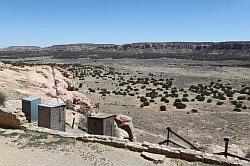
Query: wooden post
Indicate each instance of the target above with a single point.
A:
(73, 121)
(226, 147)
(168, 134)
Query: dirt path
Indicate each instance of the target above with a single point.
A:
(20, 148)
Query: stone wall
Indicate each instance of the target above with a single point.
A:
(170, 152)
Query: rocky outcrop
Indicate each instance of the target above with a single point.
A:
(125, 122)
(44, 81)
(11, 116)
(66, 73)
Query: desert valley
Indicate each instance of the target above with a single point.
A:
(199, 90)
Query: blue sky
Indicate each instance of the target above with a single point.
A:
(48, 22)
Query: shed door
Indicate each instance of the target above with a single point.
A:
(109, 128)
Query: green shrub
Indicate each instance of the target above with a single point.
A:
(131, 94)
(151, 100)
(178, 100)
(222, 97)
(163, 99)
(181, 90)
(91, 90)
(146, 103)
(244, 107)
(184, 99)
(163, 108)
(80, 85)
(200, 98)
(180, 105)
(237, 110)
(234, 102)
(2, 98)
(238, 105)
(185, 95)
(220, 103)
(241, 98)
(194, 110)
(143, 99)
(174, 95)
(209, 100)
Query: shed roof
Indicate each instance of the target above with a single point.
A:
(50, 105)
(31, 98)
(102, 116)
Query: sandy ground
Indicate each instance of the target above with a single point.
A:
(18, 148)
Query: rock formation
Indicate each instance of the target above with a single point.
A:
(44, 81)
(125, 122)
(11, 116)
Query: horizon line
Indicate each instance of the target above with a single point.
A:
(64, 44)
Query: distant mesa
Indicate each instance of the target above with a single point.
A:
(21, 48)
(232, 50)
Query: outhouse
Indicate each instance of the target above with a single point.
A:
(30, 108)
(101, 124)
(52, 116)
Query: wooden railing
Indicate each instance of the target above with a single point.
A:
(169, 131)
(225, 153)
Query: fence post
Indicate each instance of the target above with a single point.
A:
(226, 147)
(168, 134)
(73, 123)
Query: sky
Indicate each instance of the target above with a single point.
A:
(48, 22)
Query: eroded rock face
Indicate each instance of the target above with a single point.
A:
(43, 81)
(66, 73)
(125, 122)
(11, 115)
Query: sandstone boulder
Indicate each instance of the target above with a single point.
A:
(125, 122)
(153, 157)
(79, 119)
(120, 133)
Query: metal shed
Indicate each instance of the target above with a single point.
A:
(52, 116)
(101, 124)
(30, 108)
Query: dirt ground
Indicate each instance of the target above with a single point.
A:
(19, 148)
(207, 127)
